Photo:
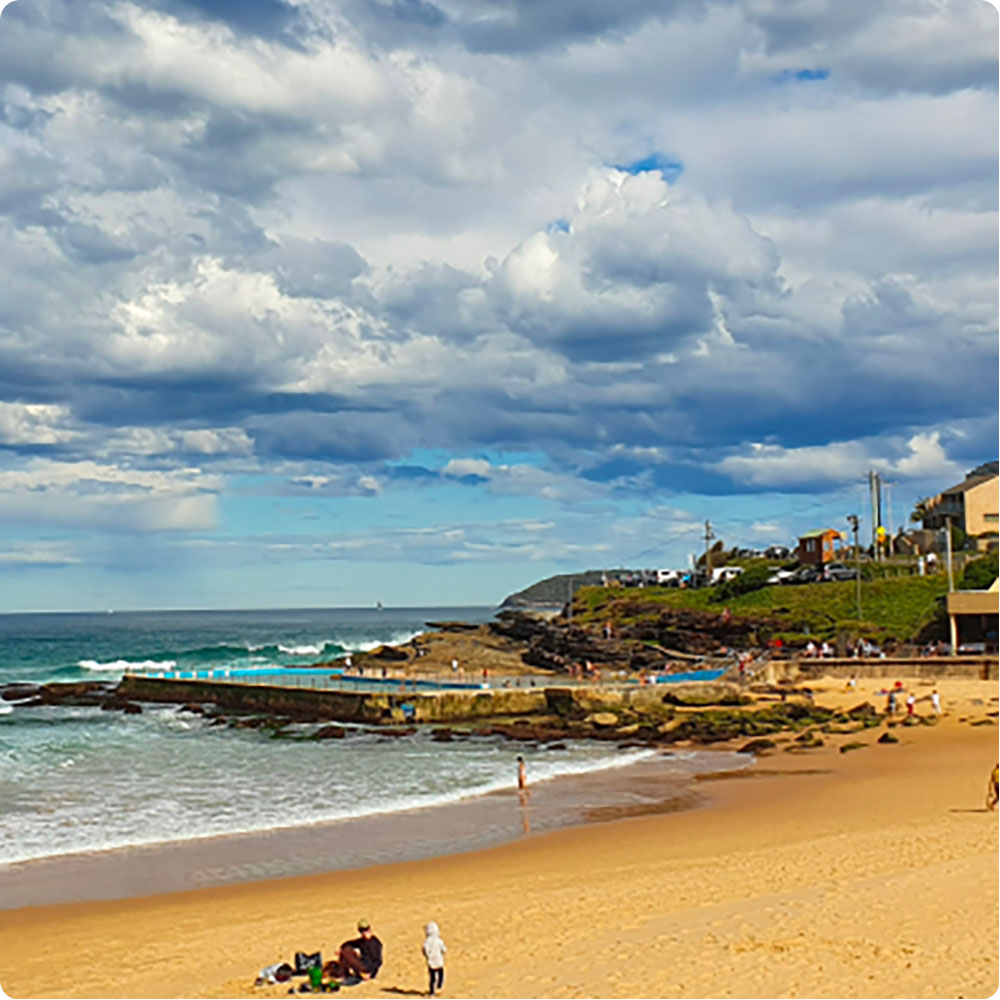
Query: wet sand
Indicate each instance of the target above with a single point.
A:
(871, 873)
(657, 784)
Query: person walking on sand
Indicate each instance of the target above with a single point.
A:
(911, 703)
(936, 701)
(993, 788)
(434, 949)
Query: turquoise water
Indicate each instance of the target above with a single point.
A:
(40, 647)
(78, 779)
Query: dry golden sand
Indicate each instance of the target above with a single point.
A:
(871, 873)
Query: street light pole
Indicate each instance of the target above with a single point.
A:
(853, 521)
(947, 535)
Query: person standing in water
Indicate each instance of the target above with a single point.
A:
(523, 794)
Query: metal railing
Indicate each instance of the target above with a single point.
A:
(322, 678)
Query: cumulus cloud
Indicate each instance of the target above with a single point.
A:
(735, 246)
(42, 493)
(37, 554)
(34, 424)
(922, 457)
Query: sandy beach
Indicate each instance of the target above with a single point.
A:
(870, 873)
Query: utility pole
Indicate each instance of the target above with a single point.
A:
(947, 528)
(888, 519)
(853, 521)
(873, 497)
(952, 621)
(709, 535)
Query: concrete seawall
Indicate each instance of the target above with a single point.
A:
(317, 704)
(339, 706)
(929, 668)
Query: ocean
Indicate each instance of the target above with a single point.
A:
(78, 780)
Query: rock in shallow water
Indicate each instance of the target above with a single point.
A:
(16, 692)
(330, 733)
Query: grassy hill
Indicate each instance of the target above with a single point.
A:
(553, 590)
(904, 609)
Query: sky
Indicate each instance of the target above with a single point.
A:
(329, 302)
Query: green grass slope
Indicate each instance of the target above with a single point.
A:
(899, 608)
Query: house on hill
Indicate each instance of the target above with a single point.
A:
(973, 505)
(817, 547)
(972, 617)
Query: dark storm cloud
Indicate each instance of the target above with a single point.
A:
(333, 437)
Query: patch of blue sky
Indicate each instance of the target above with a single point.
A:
(558, 226)
(655, 161)
(262, 507)
(801, 75)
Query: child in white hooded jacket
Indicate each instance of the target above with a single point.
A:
(434, 949)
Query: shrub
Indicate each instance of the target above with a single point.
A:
(751, 579)
(980, 573)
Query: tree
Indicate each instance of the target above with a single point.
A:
(717, 550)
(980, 573)
(752, 579)
(959, 539)
(920, 510)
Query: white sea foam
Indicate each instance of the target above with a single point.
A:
(303, 650)
(237, 822)
(6, 709)
(122, 665)
(398, 639)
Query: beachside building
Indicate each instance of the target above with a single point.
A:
(972, 616)
(818, 547)
(973, 505)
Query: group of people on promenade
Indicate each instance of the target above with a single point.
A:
(824, 650)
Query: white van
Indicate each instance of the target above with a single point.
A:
(722, 573)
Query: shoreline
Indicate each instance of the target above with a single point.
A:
(654, 783)
(866, 873)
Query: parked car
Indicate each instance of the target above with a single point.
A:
(780, 576)
(839, 571)
(805, 574)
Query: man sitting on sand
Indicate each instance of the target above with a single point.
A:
(361, 957)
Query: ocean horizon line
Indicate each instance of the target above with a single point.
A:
(237, 610)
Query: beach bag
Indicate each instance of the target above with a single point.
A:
(304, 961)
(280, 972)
